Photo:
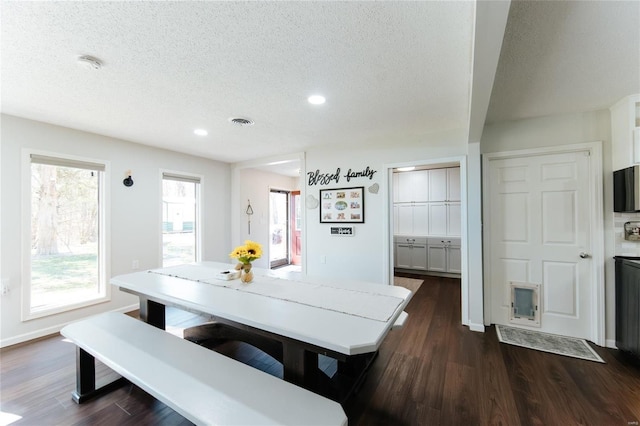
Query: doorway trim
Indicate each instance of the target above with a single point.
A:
(597, 323)
(388, 252)
(286, 260)
(237, 208)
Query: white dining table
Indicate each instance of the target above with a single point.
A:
(341, 318)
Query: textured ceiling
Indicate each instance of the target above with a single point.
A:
(391, 71)
(566, 56)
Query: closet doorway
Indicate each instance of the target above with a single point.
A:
(427, 214)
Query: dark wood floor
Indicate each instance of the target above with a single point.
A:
(433, 371)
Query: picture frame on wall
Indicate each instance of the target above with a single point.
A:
(342, 205)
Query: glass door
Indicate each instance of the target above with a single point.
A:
(278, 228)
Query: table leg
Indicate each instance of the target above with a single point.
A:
(152, 312)
(300, 366)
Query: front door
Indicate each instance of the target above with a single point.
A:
(296, 223)
(539, 209)
(278, 228)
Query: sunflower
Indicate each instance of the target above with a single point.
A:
(247, 253)
(254, 249)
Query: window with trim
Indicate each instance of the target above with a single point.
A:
(67, 238)
(180, 219)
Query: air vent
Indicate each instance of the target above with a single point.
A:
(89, 62)
(241, 121)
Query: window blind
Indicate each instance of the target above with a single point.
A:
(66, 162)
(181, 178)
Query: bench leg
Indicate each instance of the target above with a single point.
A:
(86, 378)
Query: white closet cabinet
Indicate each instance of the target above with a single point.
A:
(411, 219)
(453, 184)
(411, 186)
(444, 255)
(411, 253)
(444, 184)
(437, 185)
(427, 220)
(444, 219)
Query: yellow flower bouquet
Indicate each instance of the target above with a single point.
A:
(246, 254)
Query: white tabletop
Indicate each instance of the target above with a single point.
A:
(349, 333)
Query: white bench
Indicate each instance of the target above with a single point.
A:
(402, 318)
(203, 386)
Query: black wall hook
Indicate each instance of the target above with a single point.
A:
(128, 181)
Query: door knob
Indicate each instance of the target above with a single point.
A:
(584, 255)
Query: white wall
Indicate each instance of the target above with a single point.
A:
(255, 185)
(564, 130)
(362, 256)
(134, 212)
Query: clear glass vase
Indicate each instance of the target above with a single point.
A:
(246, 276)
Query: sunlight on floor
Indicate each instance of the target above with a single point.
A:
(8, 418)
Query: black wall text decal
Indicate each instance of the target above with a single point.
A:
(317, 178)
(365, 173)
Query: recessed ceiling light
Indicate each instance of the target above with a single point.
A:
(316, 99)
(200, 132)
(406, 169)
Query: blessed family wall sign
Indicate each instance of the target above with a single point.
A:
(341, 205)
(317, 178)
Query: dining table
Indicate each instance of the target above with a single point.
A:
(293, 317)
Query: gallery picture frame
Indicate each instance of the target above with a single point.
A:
(342, 205)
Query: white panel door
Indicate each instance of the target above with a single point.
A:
(420, 219)
(454, 259)
(437, 219)
(437, 258)
(437, 184)
(453, 184)
(419, 257)
(454, 223)
(404, 219)
(405, 187)
(539, 226)
(420, 182)
(403, 256)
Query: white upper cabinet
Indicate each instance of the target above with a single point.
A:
(411, 186)
(438, 185)
(444, 219)
(444, 184)
(427, 202)
(453, 184)
(411, 219)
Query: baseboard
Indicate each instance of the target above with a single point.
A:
(476, 327)
(610, 344)
(14, 340)
(427, 273)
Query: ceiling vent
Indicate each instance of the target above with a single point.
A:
(239, 121)
(89, 62)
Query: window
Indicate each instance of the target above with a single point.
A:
(180, 224)
(66, 261)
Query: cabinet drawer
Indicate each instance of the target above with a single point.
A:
(409, 239)
(435, 241)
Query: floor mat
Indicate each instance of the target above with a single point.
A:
(561, 345)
